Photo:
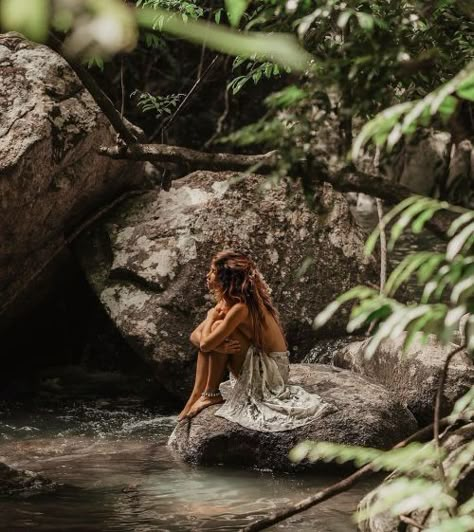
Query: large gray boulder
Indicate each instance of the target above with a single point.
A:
(51, 176)
(460, 479)
(412, 376)
(361, 413)
(148, 261)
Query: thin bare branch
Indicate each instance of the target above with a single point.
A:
(192, 90)
(101, 99)
(437, 411)
(409, 521)
(339, 487)
(383, 245)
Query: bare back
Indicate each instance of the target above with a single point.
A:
(272, 336)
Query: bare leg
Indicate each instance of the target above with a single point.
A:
(200, 381)
(217, 365)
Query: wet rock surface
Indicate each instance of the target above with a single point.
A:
(412, 376)
(22, 482)
(51, 174)
(324, 351)
(360, 413)
(148, 261)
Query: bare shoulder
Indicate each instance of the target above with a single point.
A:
(240, 309)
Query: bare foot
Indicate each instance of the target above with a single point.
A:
(193, 398)
(203, 403)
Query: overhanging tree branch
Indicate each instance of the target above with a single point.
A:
(101, 99)
(348, 179)
(197, 160)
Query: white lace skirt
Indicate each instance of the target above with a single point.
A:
(261, 398)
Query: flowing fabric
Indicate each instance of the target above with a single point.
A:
(261, 398)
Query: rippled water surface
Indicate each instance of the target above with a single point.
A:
(118, 475)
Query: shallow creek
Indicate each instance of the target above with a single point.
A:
(118, 475)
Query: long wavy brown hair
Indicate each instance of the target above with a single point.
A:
(238, 280)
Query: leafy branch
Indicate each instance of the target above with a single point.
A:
(159, 104)
(388, 127)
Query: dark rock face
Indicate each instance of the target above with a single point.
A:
(148, 261)
(324, 350)
(361, 413)
(462, 483)
(423, 163)
(14, 482)
(51, 175)
(413, 377)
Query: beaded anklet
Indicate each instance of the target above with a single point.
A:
(211, 394)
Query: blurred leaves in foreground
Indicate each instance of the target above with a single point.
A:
(106, 27)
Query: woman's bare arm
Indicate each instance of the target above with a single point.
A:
(211, 339)
(225, 348)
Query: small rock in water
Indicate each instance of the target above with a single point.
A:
(131, 488)
(23, 482)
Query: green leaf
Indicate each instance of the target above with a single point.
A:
(288, 96)
(447, 108)
(419, 224)
(307, 262)
(300, 451)
(464, 456)
(429, 267)
(235, 9)
(407, 216)
(326, 314)
(464, 523)
(466, 89)
(464, 404)
(366, 21)
(279, 48)
(30, 17)
(372, 240)
(404, 270)
(467, 508)
(414, 329)
(457, 244)
(344, 18)
(459, 222)
(405, 495)
(359, 292)
(462, 290)
(379, 127)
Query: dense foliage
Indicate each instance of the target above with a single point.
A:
(376, 70)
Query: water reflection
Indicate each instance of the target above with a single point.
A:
(120, 476)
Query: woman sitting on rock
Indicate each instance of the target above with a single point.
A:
(243, 332)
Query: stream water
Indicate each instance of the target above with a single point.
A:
(118, 475)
